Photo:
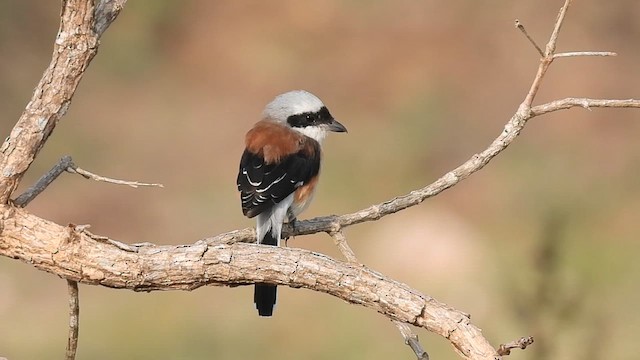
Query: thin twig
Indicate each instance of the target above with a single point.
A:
(545, 62)
(551, 45)
(74, 316)
(25, 198)
(411, 340)
(105, 239)
(585, 103)
(82, 23)
(522, 343)
(533, 42)
(66, 164)
(409, 337)
(89, 175)
(341, 242)
(584, 53)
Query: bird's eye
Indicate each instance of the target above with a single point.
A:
(311, 118)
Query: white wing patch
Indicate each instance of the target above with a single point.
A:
(270, 185)
(244, 171)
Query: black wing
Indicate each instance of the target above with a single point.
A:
(263, 185)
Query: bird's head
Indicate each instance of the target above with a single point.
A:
(303, 112)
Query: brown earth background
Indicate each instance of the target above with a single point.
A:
(543, 241)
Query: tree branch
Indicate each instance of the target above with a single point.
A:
(520, 27)
(76, 44)
(584, 53)
(74, 317)
(522, 343)
(341, 242)
(409, 337)
(553, 40)
(25, 198)
(585, 103)
(66, 164)
(73, 254)
(89, 175)
(411, 340)
(510, 132)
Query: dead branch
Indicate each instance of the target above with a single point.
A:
(409, 337)
(520, 27)
(89, 175)
(341, 242)
(411, 340)
(74, 316)
(48, 247)
(522, 343)
(25, 198)
(81, 25)
(584, 53)
(585, 103)
(67, 164)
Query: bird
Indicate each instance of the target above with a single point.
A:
(279, 170)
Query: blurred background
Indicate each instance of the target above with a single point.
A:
(541, 242)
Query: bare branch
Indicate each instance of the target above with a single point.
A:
(25, 198)
(105, 13)
(341, 242)
(551, 45)
(89, 175)
(511, 130)
(75, 45)
(584, 53)
(104, 239)
(67, 164)
(586, 103)
(78, 257)
(409, 337)
(522, 343)
(411, 340)
(74, 316)
(545, 62)
(533, 42)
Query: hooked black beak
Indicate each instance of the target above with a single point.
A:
(335, 126)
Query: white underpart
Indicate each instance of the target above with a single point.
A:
(273, 219)
(317, 133)
(283, 106)
(297, 208)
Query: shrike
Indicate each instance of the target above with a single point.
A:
(279, 169)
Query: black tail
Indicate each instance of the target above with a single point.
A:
(265, 294)
(265, 298)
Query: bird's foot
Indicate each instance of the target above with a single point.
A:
(292, 223)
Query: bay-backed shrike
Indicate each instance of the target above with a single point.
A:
(279, 169)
